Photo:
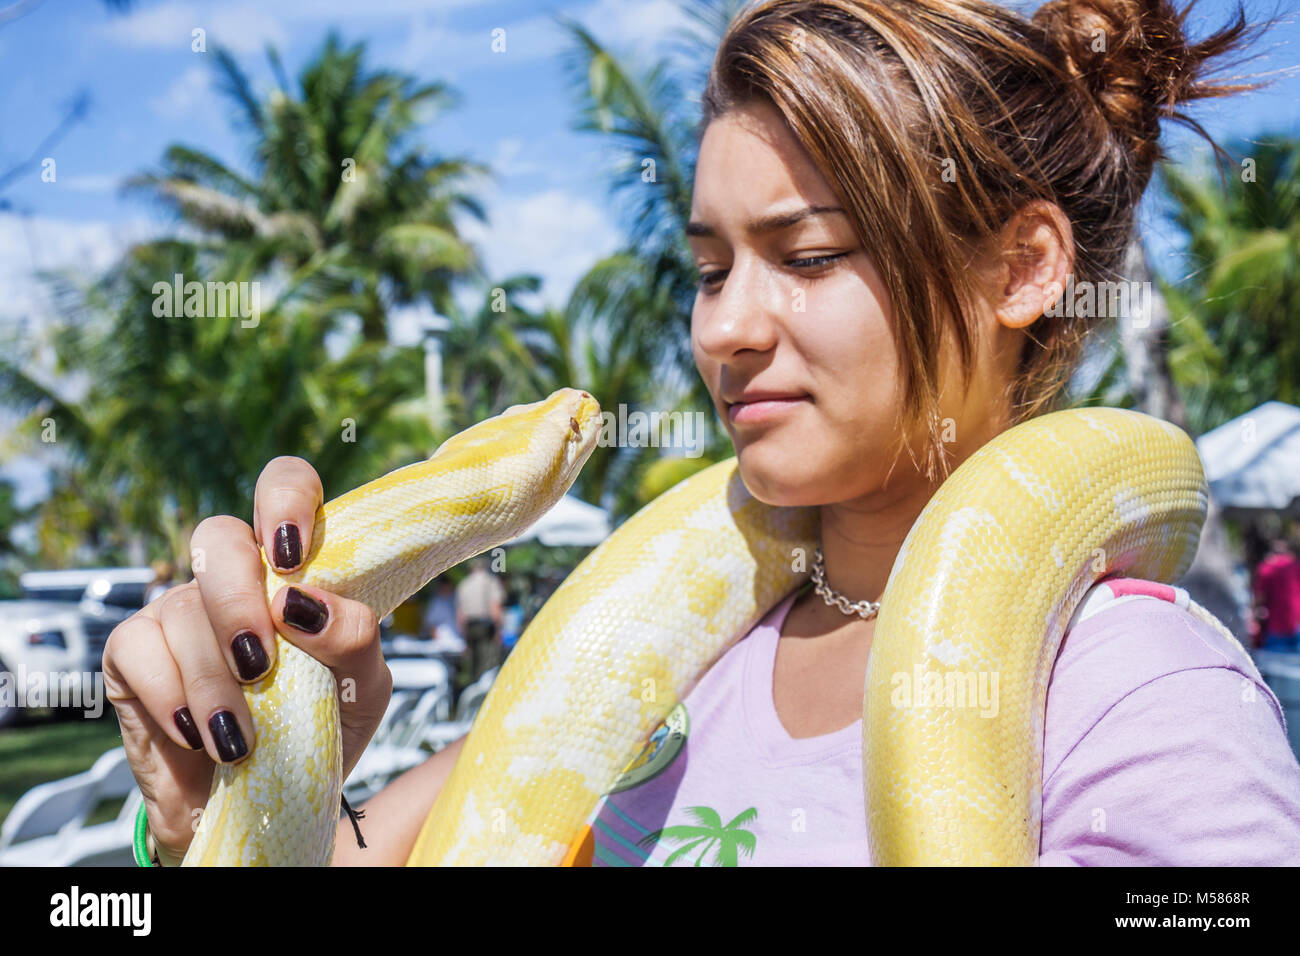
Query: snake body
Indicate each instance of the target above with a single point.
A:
(984, 585)
(379, 544)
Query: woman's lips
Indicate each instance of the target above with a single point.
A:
(763, 410)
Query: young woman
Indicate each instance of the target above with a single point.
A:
(889, 198)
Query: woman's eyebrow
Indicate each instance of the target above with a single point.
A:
(772, 223)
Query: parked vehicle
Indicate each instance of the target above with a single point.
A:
(56, 585)
(106, 597)
(43, 638)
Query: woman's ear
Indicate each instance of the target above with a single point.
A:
(1033, 255)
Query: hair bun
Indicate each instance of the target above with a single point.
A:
(1134, 60)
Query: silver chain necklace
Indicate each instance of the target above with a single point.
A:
(863, 609)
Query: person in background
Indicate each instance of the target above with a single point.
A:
(512, 619)
(163, 572)
(479, 610)
(440, 612)
(1277, 597)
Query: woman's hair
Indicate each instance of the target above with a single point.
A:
(936, 120)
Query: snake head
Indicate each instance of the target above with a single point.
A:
(564, 427)
(576, 415)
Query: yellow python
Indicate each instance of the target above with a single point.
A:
(379, 544)
(985, 583)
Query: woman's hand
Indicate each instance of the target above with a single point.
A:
(173, 670)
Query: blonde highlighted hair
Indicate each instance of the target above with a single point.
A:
(1064, 106)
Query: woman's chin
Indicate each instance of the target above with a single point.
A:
(782, 481)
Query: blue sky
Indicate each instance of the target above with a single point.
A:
(149, 89)
(549, 207)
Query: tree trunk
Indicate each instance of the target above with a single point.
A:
(1144, 336)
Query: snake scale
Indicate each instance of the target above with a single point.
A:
(982, 590)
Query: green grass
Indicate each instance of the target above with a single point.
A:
(44, 750)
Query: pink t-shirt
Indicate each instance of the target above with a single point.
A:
(1162, 746)
(1277, 587)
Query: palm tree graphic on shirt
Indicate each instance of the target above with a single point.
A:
(730, 840)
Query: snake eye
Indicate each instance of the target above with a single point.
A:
(573, 423)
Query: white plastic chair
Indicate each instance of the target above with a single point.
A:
(432, 678)
(471, 698)
(439, 735)
(107, 844)
(389, 751)
(47, 825)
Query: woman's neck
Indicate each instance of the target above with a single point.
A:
(861, 538)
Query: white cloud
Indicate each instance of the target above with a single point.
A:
(93, 183)
(184, 94)
(242, 27)
(31, 244)
(638, 24)
(635, 26)
(30, 477)
(553, 234)
(322, 10)
(509, 158)
(434, 47)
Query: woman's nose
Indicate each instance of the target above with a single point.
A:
(740, 315)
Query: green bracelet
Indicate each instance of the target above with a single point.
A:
(141, 844)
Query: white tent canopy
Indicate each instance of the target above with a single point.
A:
(570, 522)
(1253, 461)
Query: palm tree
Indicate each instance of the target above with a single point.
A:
(730, 838)
(1236, 316)
(11, 556)
(503, 353)
(341, 217)
(1223, 339)
(646, 289)
(1144, 344)
(579, 345)
(254, 393)
(337, 195)
(485, 365)
(1235, 333)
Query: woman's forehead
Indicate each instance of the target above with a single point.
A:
(750, 167)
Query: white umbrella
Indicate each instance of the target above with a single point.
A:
(1253, 461)
(570, 522)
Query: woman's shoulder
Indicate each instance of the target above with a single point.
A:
(1163, 745)
(1152, 628)
(1142, 641)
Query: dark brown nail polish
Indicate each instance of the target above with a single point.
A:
(288, 547)
(304, 612)
(188, 728)
(250, 656)
(227, 736)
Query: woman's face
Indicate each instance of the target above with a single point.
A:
(791, 328)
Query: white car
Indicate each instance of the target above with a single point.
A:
(41, 643)
(107, 596)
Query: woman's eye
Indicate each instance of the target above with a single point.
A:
(709, 280)
(814, 261)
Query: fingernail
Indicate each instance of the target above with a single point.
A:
(250, 656)
(304, 612)
(227, 736)
(288, 547)
(188, 728)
